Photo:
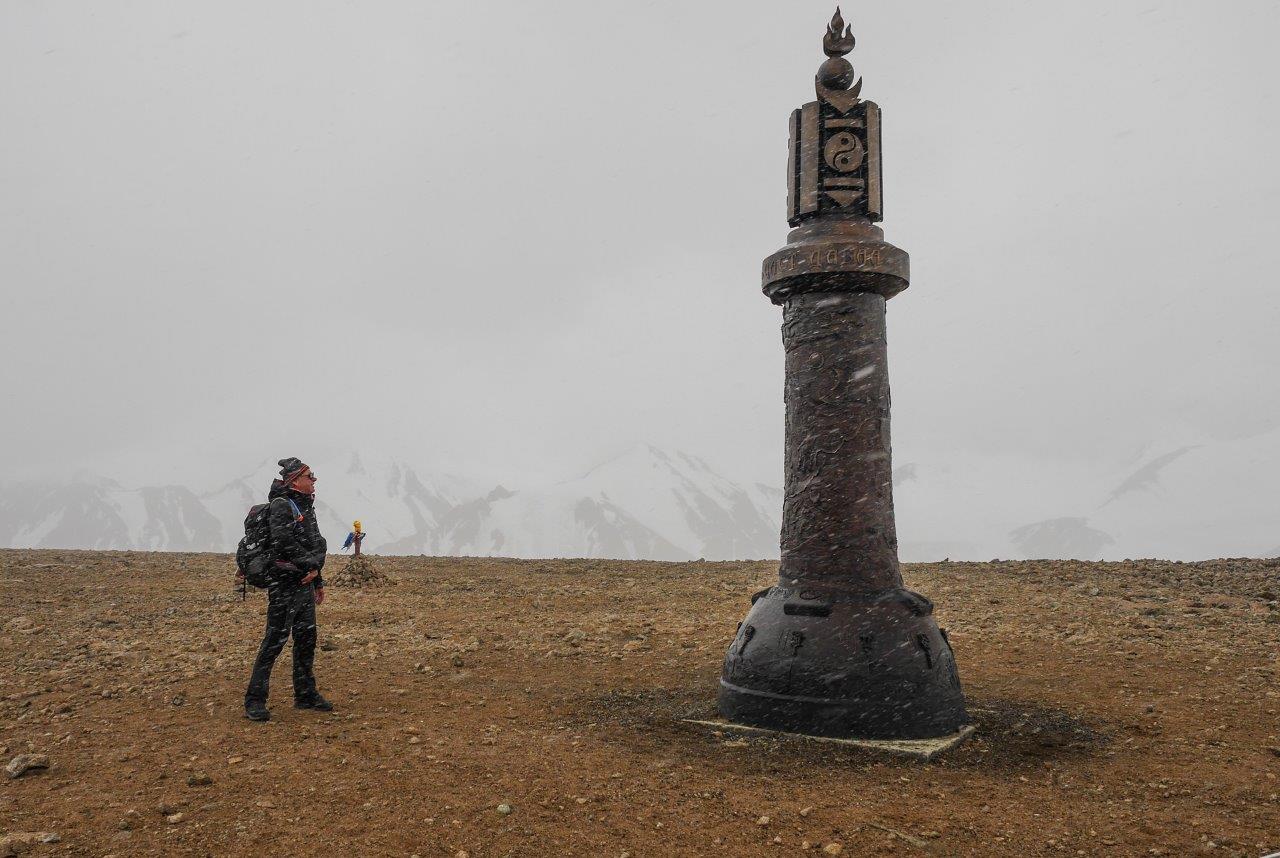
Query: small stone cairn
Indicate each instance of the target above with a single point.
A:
(359, 572)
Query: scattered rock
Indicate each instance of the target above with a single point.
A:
(24, 763)
(198, 779)
(805, 811)
(833, 848)
(175, 818)
(22, 841)
(504, 809)
(762, 821)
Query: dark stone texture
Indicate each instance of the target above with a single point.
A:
(837, 512)
(840, 647)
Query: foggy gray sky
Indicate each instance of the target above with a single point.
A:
(514, 236)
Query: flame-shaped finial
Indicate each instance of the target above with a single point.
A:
(839, 39)
(836, 75)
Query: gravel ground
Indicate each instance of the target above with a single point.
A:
(521, 707)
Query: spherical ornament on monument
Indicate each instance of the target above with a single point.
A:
(836, 73)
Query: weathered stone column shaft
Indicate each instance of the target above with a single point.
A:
(838, 527)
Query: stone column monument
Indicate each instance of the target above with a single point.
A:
(839, 647)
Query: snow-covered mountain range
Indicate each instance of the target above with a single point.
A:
(1176, 500)
(646, 503)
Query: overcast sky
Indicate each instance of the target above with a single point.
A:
(518, 236)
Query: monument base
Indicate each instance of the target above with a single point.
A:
(841, 664)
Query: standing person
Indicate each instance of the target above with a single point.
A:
(295, 588)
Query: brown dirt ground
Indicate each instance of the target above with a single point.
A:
(1122, 709)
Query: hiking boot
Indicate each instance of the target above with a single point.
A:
(256, 711)
(314, 701)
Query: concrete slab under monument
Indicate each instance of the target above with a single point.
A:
(919, 749)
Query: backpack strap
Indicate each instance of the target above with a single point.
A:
(297, 513)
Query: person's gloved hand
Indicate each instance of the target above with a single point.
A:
(319, 595)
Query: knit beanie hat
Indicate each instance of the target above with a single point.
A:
(290, 468)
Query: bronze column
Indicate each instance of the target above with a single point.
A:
(839, 647)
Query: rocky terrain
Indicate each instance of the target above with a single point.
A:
(502, 707)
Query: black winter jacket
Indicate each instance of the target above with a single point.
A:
(295, 540)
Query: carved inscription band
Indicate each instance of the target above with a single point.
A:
(795, 261)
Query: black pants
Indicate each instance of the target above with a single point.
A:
(290, 609)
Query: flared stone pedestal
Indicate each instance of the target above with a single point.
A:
(839, 647)
(842, 664)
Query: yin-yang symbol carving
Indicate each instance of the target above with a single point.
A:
(844, 152)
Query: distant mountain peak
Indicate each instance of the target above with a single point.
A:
(1148, 476)
(1066, 538)
(904, 473)
(644, 452)
(87, 477)
(355, 466)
